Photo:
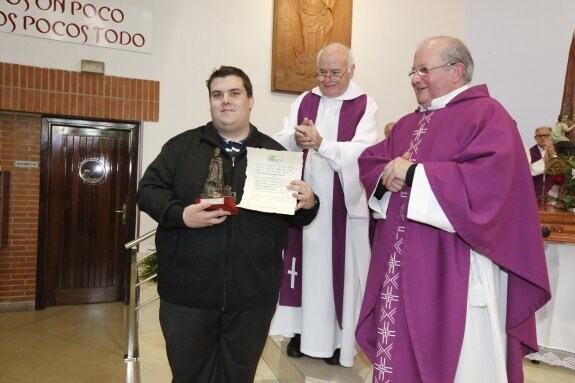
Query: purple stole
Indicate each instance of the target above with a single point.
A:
(538, 180)
(350, 114)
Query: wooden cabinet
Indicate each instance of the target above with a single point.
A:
(560, 224)
(4, 189)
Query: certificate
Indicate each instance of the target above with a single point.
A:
(268, 174)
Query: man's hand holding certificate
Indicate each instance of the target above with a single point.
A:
(268, 175)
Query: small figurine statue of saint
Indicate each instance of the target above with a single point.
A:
(214, 185)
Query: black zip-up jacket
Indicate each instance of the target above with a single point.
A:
(236, 265)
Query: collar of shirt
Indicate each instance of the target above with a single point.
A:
(233, 148)
(441, 102)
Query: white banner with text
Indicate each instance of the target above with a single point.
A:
(83, 22)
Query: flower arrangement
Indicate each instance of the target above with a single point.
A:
(563, 171)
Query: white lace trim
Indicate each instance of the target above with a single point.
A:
(554, 357)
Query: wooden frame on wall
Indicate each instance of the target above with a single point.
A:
(301, 29)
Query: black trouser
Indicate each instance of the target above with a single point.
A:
(206, 346)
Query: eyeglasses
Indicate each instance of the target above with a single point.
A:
(333, 76)
(542, 135)
(424, 71)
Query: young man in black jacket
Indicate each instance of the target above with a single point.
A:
(218, 275)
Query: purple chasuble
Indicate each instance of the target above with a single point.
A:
(350, 114)
(412, 319)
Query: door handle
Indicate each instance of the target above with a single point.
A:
(124, 212)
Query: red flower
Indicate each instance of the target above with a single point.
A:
(558, 179)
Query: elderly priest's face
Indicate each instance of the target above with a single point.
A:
(440, 77)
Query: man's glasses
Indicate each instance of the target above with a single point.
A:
(542, 135)
(333, 76)
(424, 71)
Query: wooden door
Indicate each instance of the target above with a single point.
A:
(87, 211)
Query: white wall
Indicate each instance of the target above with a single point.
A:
(520, 48)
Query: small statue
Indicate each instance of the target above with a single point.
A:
(214, 185)
(221, 196)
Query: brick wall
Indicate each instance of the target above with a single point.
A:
(20, 141)
(65, 93)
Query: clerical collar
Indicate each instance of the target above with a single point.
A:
(441, 102)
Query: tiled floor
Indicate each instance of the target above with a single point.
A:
(80, 344)
(86, 344)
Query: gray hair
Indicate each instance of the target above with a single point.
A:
(455, 52)
(337, 46)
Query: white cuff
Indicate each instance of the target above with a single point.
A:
(423, 206)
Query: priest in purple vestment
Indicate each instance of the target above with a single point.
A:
(458, 268)
(539, 156)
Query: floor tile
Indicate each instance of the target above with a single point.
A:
(80, 344)
(87, 343)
